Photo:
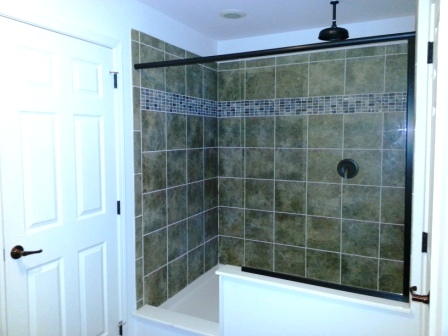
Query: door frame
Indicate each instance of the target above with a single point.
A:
(115, 46)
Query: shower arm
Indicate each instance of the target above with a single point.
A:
(276, 51)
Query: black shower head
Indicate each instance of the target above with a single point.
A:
(333, 33)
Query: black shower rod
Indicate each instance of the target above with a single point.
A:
(276, 51)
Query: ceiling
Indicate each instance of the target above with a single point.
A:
(265, 17)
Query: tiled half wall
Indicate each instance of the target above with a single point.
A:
(236, 163)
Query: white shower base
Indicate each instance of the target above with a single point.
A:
(192, 311)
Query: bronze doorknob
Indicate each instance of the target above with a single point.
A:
(17, 252)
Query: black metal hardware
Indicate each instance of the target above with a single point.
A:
(120, 328)
(276, 51)
(417, 297)
(17, 252)
(118, 208)
(115, 73)
(348, 168)
(424, 242)
(430, 52)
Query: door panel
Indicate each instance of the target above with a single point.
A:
(59, 195)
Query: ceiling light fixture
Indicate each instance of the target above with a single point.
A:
(232, 14)
(334, 33)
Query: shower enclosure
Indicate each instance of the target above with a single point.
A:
(237, 163)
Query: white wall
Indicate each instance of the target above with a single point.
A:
(373, 28)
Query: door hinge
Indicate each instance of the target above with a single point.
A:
(120, 328)
(115, 73)
(118, 208)
(425, 242)
(430, 52)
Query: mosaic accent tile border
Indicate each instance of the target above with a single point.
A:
(161, 101)
(365, 103)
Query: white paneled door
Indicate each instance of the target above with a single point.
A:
(58, 183)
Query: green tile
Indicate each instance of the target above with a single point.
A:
(211, 193)
(176, 167)
(322, 165)
(136, 108)
(391, 276)
(291, 132)
(194, 79)
(173, 50)
(366, 51)
(396, 73)
(231, 222)
(210, 163)
(392, 242)
(260, 83)
(195, 131)
(156, 291)
(195, 162)
(152, 78)
(260, 194)
(139, 279)
(361, 202)
(290, 164)
(175, 77)
(392, 205)
(399, 48)
(177, 276)
(176, 131)
(327, 78)
(230, 84)
(290, 197)
(210, 132)
(231, 251)
(135, 35)
(363, 130)
(260, 62)
(152, 41)
(365, 75)
(290, 229)
(136, 74)
(324, 233)
(394, 168)
(327, 55)
(324, 199)
(359, 272)
(210, 84)
(177, 240)
(394, 136)
(154, 171)
(254, 157)
(231, 162)
(290, 59)
(138, 237)
(210, 254)
(195, 198)
(231, 192)
(360, 238)
(195, 231)
(195, 264)
(211, 224)
(290, 260)
(154, 211)
(323, 265)
(138, 195)
(325, 131)
(230, 133)
(153, 131)
(155, 250)
(259, 132)
(137, 152)
(292, 81)
(231, 65)
(259, 225)
(369, 163)
(259, 255)
(177, 204)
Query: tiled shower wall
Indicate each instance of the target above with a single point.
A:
(176, 185)
(273, 130)
(283, 206)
